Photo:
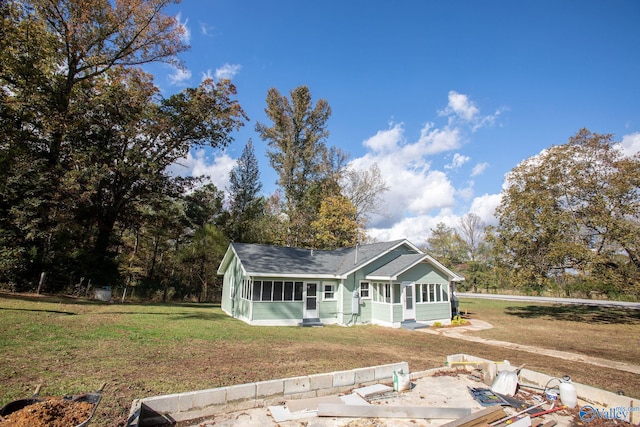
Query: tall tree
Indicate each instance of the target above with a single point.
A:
(50, 53)
(123, 151)
(471, 231)
(297, 148)
(570, 214)
(365, 189)
(204, 206)
(245, 204)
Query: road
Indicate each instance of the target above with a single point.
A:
(605, 303)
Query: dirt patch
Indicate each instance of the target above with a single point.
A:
(52, 412)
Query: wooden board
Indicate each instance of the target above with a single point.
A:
(485, 416)
(380, 411)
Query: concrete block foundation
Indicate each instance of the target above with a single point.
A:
(172, 408)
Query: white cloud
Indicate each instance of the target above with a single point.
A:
(416, 229)
(485, 207)
(420, 196)
(479, 168)
(457, 161)
(439, 140)
(385, 141)
(207, 75)
(630, 144)
(179, 77)
(186, 32)
(215, 170)
(206, 29)
(228, 71)
(460, 106)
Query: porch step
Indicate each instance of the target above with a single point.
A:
(412, 325)
(312, 322)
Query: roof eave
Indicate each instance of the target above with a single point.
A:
(293, 275)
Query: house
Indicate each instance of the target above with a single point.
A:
(379, 283)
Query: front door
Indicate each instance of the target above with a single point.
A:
(409, 300)
(310, 298)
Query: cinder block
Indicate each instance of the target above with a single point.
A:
(320, 381)
(344, 378)
(163, 404)
(296, 385)
(241, 392)
(269, 388)
(306, 395)
(364, 375)
(210, 397)
(384, 372)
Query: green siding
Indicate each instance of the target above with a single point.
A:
(381, 312)
(423, 273)
(277, 310)
(398, 313)
(365, 310)
(433, 311)
(328, 309)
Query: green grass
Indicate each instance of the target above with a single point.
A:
(74, 345)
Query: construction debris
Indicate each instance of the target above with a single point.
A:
(379, 411)
(482, 417)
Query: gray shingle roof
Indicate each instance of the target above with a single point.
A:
(397, 266)
(280, 260)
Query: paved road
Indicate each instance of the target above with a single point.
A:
(635, 305)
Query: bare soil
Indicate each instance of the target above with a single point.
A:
(51, 412)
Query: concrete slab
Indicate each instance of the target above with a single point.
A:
(436, 388)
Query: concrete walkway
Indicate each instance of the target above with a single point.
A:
(478, 325)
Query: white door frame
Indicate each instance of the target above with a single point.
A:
(310, 300)
(408, 300)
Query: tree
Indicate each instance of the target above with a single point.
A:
(471, 231)
(245, 205)
(52, 46)
(204, 206)
(51, 52)
(568, 216)
(446, 245)
(202, 256)
(123, 151)
(336, 226)
(365, 189)
(297, 148)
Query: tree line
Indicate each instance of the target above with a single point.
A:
(568, 223)
(88, 199)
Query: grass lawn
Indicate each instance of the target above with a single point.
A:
(74, 345)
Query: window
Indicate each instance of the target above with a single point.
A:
(397, 291)
(445, 293)
(257, 290)
(267, 290)
(297, 291)
(288, 291)
(433, 292)
(329, 291)
(382, 292)
(364, 290)
(386, 292)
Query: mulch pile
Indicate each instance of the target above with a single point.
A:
(51, 412)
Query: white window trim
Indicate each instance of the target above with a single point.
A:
(369, 290)
(334, 291)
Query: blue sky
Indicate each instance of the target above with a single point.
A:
(444, 96)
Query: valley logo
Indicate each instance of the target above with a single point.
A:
(589, 413)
